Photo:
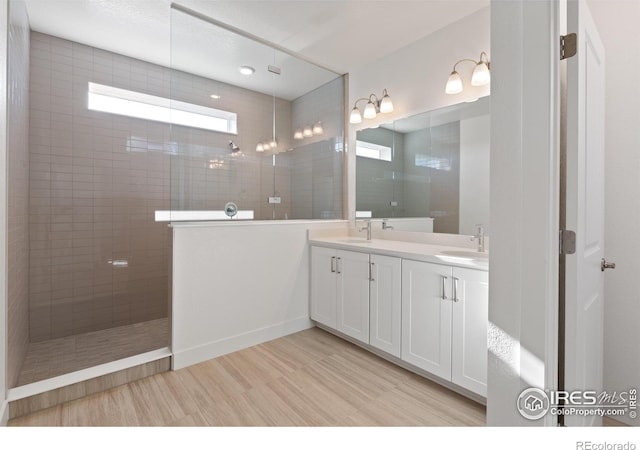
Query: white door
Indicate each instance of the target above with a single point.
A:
(469, 336)
(323, 286)
(384, 303)
(426, 316)
(353, 294)
(585, 210)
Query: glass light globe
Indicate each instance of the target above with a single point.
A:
(370, 111)
(481, 75)
(355, 116)
(454, 83)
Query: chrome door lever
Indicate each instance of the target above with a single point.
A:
(606, 265)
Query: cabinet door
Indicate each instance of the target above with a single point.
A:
(385, 303)
(469, 337)
(323, 286)
(426, 316)
(353, 294)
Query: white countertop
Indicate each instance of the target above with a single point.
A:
(407, 250)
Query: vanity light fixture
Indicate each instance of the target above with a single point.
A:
(307, 131)
(374, 106)
(481, 75)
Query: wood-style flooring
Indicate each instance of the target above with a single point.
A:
(310, 378)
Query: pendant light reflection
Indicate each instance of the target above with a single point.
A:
(272, 143)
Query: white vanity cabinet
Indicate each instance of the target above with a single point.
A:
(444, 322)
(340, 291)
(426, 312)
(385, 303)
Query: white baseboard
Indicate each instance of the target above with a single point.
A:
(4, 413)
(210, 350)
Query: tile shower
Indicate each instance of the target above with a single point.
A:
(89, 266)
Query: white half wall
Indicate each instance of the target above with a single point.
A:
(617, 25)
(238, 285)
(4, 410)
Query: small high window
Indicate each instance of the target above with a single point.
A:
(373, 151)
(159, 109)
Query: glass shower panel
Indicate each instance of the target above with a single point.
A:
(256, 163)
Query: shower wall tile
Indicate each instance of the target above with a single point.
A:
(92, 196)
(317, 161)
(18, 191)
(445, 180)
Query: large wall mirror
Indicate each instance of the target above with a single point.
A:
(431, 165)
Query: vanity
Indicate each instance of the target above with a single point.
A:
(421, 305)
(416, 296)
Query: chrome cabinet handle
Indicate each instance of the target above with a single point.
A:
(455, 290)
(444, 287)
(371, 272)
(339, 265)
(333, 264)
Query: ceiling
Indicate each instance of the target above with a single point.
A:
(340, 35)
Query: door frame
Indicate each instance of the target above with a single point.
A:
(525, 188)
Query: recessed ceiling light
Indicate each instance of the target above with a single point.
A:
(215, 96)
(247, 70)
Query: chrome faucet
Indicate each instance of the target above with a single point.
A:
(479, 236)
(385, 226)
(368, 228)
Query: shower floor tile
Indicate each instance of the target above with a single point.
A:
(49, 359)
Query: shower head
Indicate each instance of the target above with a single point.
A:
(234, 148)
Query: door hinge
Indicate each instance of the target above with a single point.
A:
(568, 46)
(567, 242)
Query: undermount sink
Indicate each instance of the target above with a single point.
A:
(466, 254)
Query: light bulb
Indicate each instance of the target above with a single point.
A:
(298, 134)
(273, 144)
(481, 75)
(260, 147)
(246, 70)
(370, 111)
(355, 116)
(317, 128)
(307, 132)
(386, 105)
(454, 83)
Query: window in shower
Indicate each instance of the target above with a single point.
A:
(159, 109)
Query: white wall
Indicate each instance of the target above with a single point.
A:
(4, 411)
(415, 77)
(523, 270)
(237, 285)
(474, 173)
(617, 22)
